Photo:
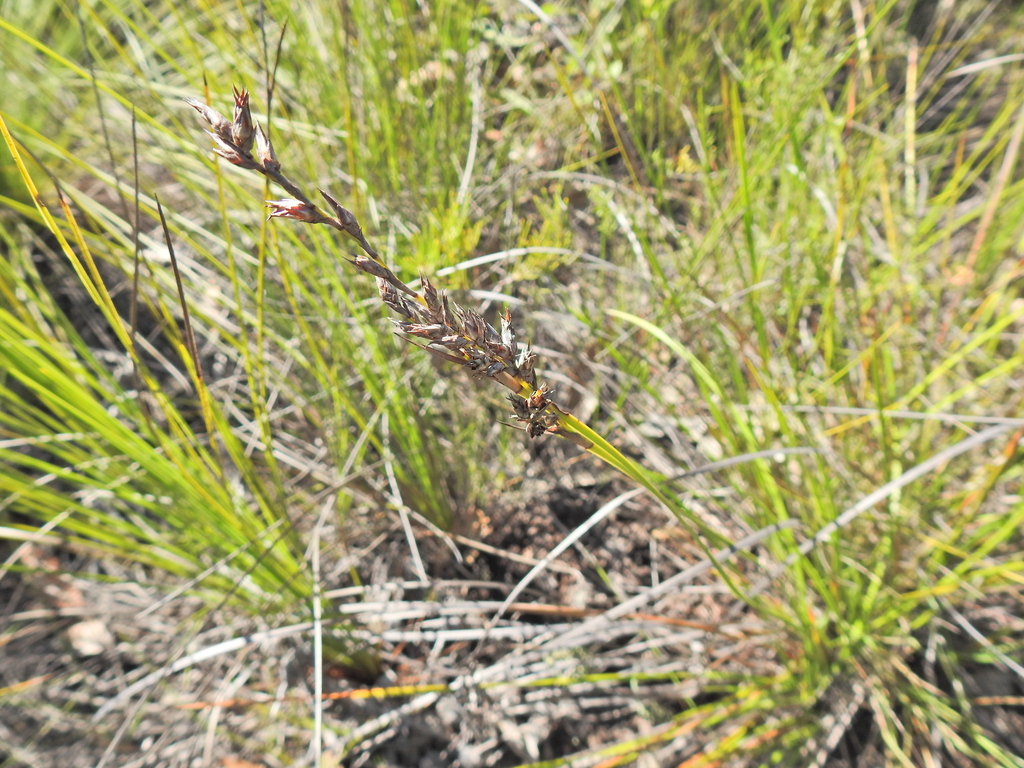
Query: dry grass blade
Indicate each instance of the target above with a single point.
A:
(218, 649)
(190, 339)
(567, 542)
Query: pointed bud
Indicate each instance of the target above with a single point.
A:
(289, 208)
(397, 301)
(348, 223)
(265, 152)
(232, 154)
(371, 267)
(220, 126)
(430, 294)
(346, 218)
(431, 331)
(241, 126)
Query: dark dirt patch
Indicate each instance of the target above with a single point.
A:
(51, 720)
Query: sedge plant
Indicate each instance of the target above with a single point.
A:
(838, 268)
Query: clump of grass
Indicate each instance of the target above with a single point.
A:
(818, 234)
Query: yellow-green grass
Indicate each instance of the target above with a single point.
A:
(754, 218)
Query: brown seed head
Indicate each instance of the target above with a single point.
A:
(451, 332)
(524, 367)
(430, 294)
(233, 154)
(346, 218)
(371, 267)
(241, 126)
(219, 125)
(289, 208)
(390, 296)
(265, 152)
(347, 222)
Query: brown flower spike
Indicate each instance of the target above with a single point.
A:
(448, 331)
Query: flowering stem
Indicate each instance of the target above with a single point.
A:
(429, 318)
